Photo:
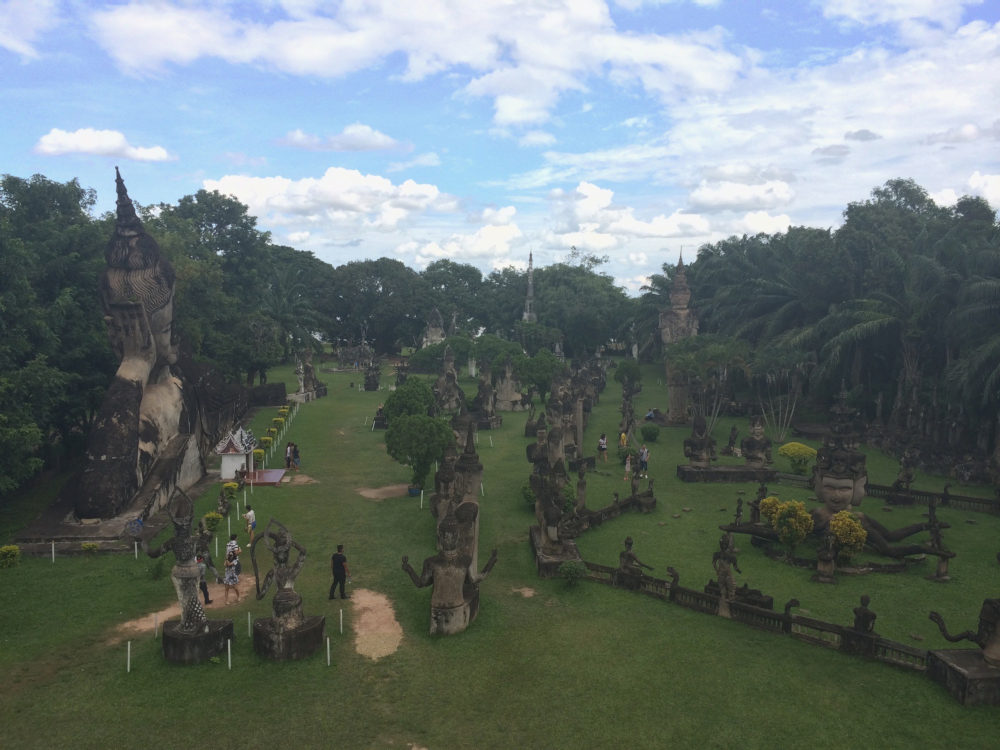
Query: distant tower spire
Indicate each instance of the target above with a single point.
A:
(529, 302)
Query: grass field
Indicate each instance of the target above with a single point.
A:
(587, 667)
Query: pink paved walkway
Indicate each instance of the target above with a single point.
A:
(267, 477)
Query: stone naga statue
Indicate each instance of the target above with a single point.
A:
(987, 637)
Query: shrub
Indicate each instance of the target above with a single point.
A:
(569, 497)
(413, 398)
(572, 571)
(799, 455)
(768, 508)
(258, 456)
(792, 522)
(850, 534)
(10, 556)
(90, 548)
(271, 432)
(266, 441)
(212, 521)
(649, 433)
(230, 488)
(283, 411)
(418, 441)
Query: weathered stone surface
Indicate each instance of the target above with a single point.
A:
(194, 648)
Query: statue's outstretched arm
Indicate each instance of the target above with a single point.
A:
(967, 635)
(418, 581)
(167, 546)
(298, 562)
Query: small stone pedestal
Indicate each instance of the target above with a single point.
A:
(547, 561)
(859, 644)
(289, 635)
(970, 679)
(194, 648)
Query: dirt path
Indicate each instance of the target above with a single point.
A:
(376, 632)
(381, 493)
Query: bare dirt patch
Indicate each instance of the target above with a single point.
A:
(216, 591)
(294, 477)
(381, 493)
(376, 631)
(525, 591)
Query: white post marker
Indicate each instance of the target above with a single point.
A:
(328, 651)
(341, 620)
(136, 544)
(229, 652)
(128, 657)
(482, 490)
(216, 546)
(53, 550)
(156, 625)
(229, 525)
(491, 441)
(249, 630)
(421, 499)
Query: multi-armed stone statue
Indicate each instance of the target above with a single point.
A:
(455, 601)
(194, 638)
(144, 420)
(289, 634)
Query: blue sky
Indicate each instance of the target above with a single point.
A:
(477, 131)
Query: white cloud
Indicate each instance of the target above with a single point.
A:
(524, 56)
(356, 137)
(98, 142)
(946, 13)
(489, 244)
(537, 138)
(722, 195)
(430, 159)
(987, 186)
(22, 23)
(757, 222)
(340, 200)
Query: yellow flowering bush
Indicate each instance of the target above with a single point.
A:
(283, 411)
(278, 421)
(850, 534)
(272, 431)
(230, 489)
(266, 441)
(90, 548)
(212, 521)
(792, 522)
(258, 456)
(799, 455)
(769, 507)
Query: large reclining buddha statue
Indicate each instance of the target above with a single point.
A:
(144, 416)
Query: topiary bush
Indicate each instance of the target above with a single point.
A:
(572, 571)
(649, 433)
(799, 455)
(212, 521)
(10, 556)
(849, 533)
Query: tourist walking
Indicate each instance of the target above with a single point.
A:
(628, 468)
(296, 459)
(288, 455)
(338, 566)
(231, 578)
(202, 583)
(251, 519)
(602, 447)
(644, 461)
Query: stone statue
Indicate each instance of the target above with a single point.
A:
(203, 548)
(630, 565)
(144, 410)
(455, 601)
(756, 447)
(699, 449)
(730, 449)
(723, 562)
(288, 633)
(864, 618)
(987, 637)
(185, 574)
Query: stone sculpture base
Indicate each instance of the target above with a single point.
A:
(548, 560)
(688, 473)
(194, 648)
(966, 675)
(452, 620)
(272, 642)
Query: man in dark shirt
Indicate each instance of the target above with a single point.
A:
(338, 563)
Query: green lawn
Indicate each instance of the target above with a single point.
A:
(588, 667)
